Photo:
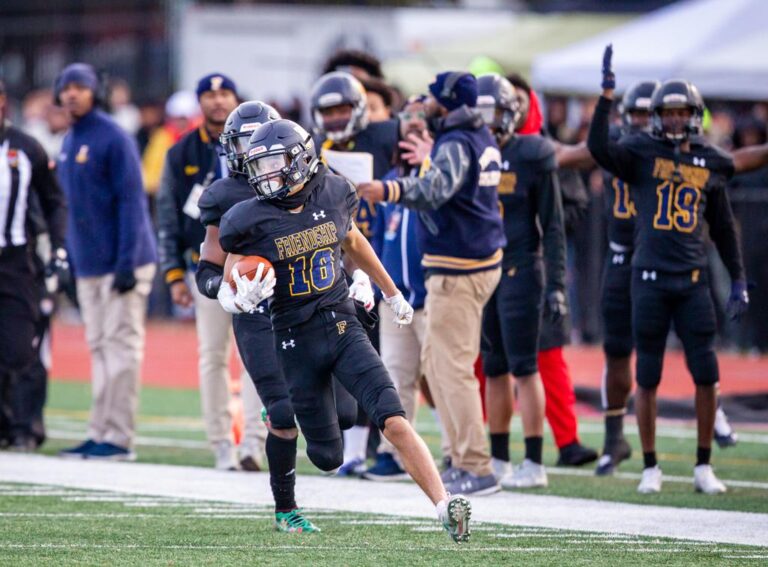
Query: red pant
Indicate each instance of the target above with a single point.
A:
(560, 398)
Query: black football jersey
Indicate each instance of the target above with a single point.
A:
(672, 206)
(303, 247)
(222, 195)
(380, 140)
(619, 209)
(531, 206)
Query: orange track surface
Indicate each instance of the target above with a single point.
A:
(171, 361)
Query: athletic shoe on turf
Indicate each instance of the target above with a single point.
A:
(500, 468)
(79, 451)
(352, 468)
(294, 522)
(110, 452)
(575, 454)
(23, 444)
(725, 436)
(455, 517)
(224, 456)
(650, 483)
(469, 483)
(249, 464)
(385, 469)
(704, 480)
(527, 475)
(612, 457)
(450, 474)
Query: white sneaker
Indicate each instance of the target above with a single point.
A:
(651, 481)
(704, 480)
(226, 458)
(527, 475)
(500, 468)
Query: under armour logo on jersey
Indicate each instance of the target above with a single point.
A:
(259, 309)
(287, 344)
(701, 162)
(649, 275)
(318, 216)
(618, 259)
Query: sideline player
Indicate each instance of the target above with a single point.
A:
(532, 210)
(341, 116)
(300, 221)
(253, 331)
(677, 181)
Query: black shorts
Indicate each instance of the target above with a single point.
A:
(660, 299)
(511, 323)
(616, 304)
(334, 343)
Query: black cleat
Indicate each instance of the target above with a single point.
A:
(575, 455)
(612, 457)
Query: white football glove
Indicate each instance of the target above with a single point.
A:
(226, 298)
(361, 290)
(401, 308)
(252, 292)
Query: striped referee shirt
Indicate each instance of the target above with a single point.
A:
(25, 175)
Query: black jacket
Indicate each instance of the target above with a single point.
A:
(191, 161)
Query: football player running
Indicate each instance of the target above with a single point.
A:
(677, 183)
(301, 220)
(252, 326)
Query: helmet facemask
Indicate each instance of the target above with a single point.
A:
(279, 172)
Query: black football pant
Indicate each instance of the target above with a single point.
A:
(333, 343)
(660, 299)
(19, 316)
(511, 323)
(256, 344)
(616, 304)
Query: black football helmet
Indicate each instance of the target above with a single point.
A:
(281, 158)
(238, 128)
(676, 93)
(637, 98)
(498, 103)
(335, 89)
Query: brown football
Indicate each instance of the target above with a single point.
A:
(247, 267)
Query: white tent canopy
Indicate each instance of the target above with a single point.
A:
(719, 45)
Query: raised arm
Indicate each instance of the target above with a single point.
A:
(608, 154)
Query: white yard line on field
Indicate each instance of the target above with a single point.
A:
(398, 499)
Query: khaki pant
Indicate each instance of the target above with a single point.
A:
(114, 330)
(214, 340)
(454, 308)
(401, 354)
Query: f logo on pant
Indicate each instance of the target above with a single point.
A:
(342, 327)
(290, 344)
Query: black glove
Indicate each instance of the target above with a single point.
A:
(738, 301)
(609, 79)
(57, 273)
(556, 307)
(124, 282)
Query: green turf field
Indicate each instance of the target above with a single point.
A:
(43, 525)
(171, 432)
